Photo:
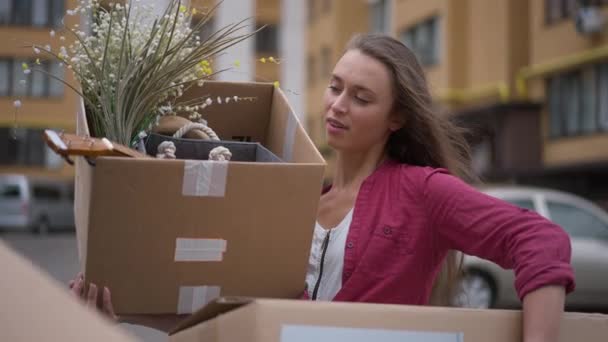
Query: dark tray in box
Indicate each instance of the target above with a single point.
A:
(199, 149)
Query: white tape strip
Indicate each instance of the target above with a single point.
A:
(205, 178)
(290, 137)
(192, 298)
(199, 249)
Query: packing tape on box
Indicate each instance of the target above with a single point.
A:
(192, 298)
(199, 249)
(204, 178)
(290, 137)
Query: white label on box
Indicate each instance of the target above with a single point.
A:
(199, 249)
(192, 298)
(306, 333)
(205, 178)
(290, 136)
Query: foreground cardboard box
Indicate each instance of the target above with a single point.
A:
(299, 321)
(168, 236)
(36, 308)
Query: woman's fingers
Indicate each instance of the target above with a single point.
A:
(72, 282)
(92, 296)
(76, 287)
(107, 304)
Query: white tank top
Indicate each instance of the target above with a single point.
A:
(333, 262)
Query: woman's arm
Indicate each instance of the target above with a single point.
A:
(542, 311)
(474, 223)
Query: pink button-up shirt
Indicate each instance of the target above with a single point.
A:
(406, 218)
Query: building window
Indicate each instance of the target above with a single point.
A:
(23, 146)
(424, 40)
(326, 62)
(57, 11)
(13, 82)
(38, 13)
(556, 10)
(378, 16)
(267, 39)
(6, 10)
(206, 30)
(575, 104)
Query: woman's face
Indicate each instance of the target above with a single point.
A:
(358, 104)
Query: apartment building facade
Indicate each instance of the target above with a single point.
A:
(45, 102)
(524, 76)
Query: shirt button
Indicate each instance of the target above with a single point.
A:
(387, 230)
(350, 244)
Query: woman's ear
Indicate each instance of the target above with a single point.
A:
(396, 122)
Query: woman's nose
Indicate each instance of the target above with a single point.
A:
(340, 105)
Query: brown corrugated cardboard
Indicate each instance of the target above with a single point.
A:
(132, 212)
(297, 320)
(35, 308)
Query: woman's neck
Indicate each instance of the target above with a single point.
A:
(353, 168)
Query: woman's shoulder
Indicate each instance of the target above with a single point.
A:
(417, 172)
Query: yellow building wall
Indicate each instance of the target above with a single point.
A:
(482, 45)
(408, 13)
(551, 45)
(559, 39)
(38, 112)
(488, 27)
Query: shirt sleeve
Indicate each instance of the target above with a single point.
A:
(474, 223)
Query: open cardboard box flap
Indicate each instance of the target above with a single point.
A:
(215, 308)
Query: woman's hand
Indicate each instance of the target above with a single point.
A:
(90, 298)
(163, 323)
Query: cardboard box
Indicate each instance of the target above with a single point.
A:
(168, 236)
(36, 308)
(297, 321)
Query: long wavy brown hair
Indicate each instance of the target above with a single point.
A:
(427, 138)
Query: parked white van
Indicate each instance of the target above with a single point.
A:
(35, 204)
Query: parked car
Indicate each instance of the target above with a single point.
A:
(35, 204)
(487, 285)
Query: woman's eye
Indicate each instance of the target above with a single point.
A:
(361, 100)
(334, 89)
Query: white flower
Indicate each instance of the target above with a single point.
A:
(27, 71)
(48, 47)
(62, 38)
(70, 12)
(36, 50)
(227, 99)
(219, 100)
(52, 33)
(236, 98)
(17, 104)
(208, 102)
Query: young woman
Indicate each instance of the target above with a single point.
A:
(400, 202)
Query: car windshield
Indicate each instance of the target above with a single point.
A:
(10, 191)
(525, 203)
(578, 222)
